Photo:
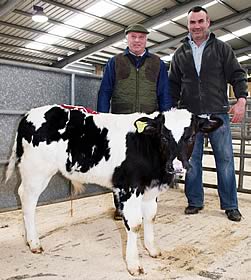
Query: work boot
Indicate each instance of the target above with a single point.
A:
(192, 210)
(233, 215)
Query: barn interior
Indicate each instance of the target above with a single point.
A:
(61, 59)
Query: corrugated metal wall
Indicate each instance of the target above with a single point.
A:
(23, 87)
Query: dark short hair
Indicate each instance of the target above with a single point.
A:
(197, 9)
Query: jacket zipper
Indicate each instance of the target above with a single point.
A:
(137, 109)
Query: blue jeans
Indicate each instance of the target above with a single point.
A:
(221, 142)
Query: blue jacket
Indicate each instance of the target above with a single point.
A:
(108, 81)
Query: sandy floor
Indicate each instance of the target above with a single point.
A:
(91, 245)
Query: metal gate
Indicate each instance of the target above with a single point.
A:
(241, 135)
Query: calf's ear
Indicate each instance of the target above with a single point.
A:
(208, 125)
(150, 126)
(140, 126)
(145, 125)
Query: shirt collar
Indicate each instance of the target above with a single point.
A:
(190, 39)
(137, 55)
(145, 53)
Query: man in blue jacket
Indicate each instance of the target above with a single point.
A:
(135, 80)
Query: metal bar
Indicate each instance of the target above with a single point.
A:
(171, 13)
(55, 22)
(215, 25)
(211, 186)
(242, 152)
(12, 112)
(16, 38)
(37, 58)
(43, 68)
(215, 187)
(237, 172)
(235, 154)
(36, 31)
(131, 10)
(74, 10)
(4, 45)
(72, 102)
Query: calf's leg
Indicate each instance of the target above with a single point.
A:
(132, 215)
(29, 192)
(149, 210)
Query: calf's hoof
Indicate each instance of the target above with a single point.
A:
(36, 250)
(154, 252)
(135, 271)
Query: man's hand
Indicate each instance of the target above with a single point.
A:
(238, 110)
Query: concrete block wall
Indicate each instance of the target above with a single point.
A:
(22, 87)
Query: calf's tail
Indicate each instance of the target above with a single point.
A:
(12, 162)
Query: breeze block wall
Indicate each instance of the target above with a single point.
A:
(23, 87)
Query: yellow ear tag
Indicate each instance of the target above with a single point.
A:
(140, 126)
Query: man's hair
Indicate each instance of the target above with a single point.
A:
(197, 9)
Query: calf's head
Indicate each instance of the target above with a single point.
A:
(173, 145)
(167, 146)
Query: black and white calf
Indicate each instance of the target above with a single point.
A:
(133, 154)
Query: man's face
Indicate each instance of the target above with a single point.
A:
(198, 25)
(136, 42)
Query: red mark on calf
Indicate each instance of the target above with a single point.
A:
(80, 108)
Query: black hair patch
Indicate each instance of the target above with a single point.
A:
(87, 143)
